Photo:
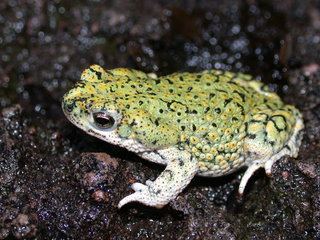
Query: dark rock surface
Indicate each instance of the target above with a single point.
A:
(56, 182)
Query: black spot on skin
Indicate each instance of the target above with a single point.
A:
(268, 106)
(217, 110)
(194, 128)
(173, 101)
(213, 125)
(110, 73)
(227, 101)
(246, 127)
(160, 110)
(242, 96)
(98, 74)
(169, 81)
(220, 90)
(271, 143)
(235, 119)
(181, 79)
(251, 136)
(179, 113)
(233, 83)
(189, 89)
(154, 142)
(156, 122)
(240, 106)
(157, 81)
(140, 102)
(287, 147)
(127, 106)
(211, 95)
(80, 85)
(183, 128)
(133, 123)
(206, 110)
(168, 104)
(254, 121)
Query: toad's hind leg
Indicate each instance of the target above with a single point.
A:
(177, 175)
(291, 148)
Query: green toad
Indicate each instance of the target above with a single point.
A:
(210, 123)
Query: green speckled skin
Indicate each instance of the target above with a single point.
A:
(223, 120)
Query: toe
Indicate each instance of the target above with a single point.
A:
(268, 167)
(138, 187)
(131, 198)
(149, 182)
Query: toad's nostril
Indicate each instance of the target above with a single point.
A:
(69, 106)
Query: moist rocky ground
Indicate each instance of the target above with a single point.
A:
(56, 182)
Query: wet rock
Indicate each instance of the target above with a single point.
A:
(11, 128)
(308, 169)
(22, 228)
(99, 171)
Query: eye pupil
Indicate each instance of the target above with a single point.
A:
(103, 120)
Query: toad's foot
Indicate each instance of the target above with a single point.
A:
(290, 149)
(166, 187)
(266, 164)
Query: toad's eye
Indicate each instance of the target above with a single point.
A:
(103, 120)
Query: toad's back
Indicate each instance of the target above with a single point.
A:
(209, 114)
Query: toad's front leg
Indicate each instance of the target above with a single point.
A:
(177, 175)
